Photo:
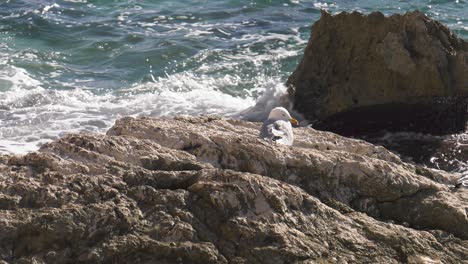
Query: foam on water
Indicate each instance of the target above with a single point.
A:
(274, 94)
(31, 115)
(76, 65)
(194, 67)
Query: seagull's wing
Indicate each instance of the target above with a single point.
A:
(462, 182)
(279, 131)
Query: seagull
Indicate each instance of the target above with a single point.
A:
(278, 126)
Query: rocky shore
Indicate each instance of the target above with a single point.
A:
(207, 190)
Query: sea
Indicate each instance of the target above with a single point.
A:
(78, 65)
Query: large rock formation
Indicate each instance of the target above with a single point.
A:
(207, 190)
(363, 73)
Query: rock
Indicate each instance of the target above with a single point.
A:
(448, 153)
(364, 73)
(207, 190)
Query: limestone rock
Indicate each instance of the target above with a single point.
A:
(362, 73)
(207, 190)
(325, 165)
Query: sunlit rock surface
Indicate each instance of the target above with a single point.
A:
(207, 190)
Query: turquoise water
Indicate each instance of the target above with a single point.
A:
(77, 65)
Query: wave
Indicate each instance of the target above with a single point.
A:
(31, 115)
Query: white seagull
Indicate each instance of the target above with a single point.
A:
(278, 126)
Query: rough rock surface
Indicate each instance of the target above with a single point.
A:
(448, 153)
(362, 73)
(207, 190)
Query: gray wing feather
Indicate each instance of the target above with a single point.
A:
(279, 131)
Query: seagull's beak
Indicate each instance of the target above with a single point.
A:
(294, 121)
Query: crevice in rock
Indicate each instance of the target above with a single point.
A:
(216, 245)
(161, 164)
(190, 148)
(171, 180)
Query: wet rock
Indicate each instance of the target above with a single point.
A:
(448, 153)
(364, 73)
(207, 190)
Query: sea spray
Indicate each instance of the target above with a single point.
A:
(77, 66)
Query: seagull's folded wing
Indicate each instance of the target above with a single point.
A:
(277, 130)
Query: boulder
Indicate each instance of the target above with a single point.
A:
(364, 73)
(207, 190)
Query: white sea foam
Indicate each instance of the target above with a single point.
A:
(273, 95)
(76, 1)
(185, 93)
(16, 77)
(31, 115)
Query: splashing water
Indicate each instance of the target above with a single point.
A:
(78, 65)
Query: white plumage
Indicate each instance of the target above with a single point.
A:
(278, 126)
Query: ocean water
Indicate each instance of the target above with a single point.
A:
(78, 65)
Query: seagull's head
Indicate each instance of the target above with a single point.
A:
(280, 113)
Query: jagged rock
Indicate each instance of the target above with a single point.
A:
(448, 153)
(326, 165)
(366, 73)
(207, 190)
